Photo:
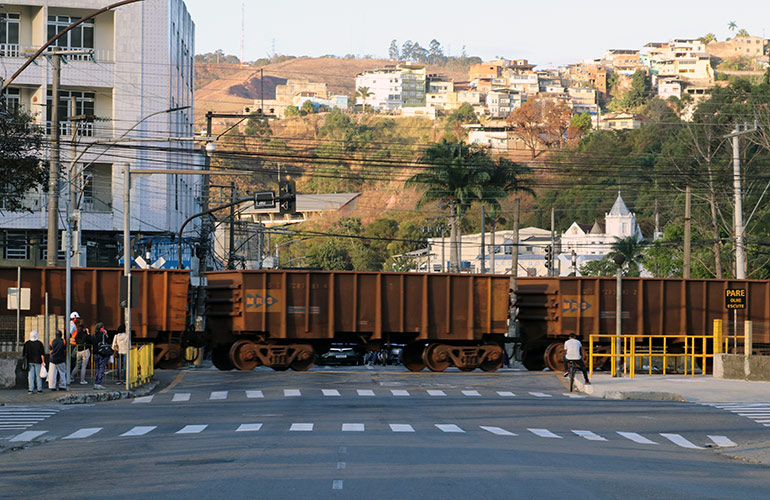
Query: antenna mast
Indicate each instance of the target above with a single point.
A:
(243, 30)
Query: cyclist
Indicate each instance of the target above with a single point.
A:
(573, 350)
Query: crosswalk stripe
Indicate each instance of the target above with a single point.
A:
(449, 428)
(292, 393)
(401, 428)
(353, 427)
(83, 433)
(762, 421)
(573, 395)
(181, 396)
(722, 441)
(218, 395)
(544, 433)
(540, 394)
(680, 441)
(506, 394)
(140, 430)
(498, 431)
(330, 392)
(143, 399)
(249, 428)
(637, 438)
(191, 429)
(301, 427)
(471, 393)
(433, 392)
(399, 392)
(589, 435)
(254, 394)
(365, 392)
(27, 436)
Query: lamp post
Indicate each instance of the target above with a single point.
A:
(619, 259)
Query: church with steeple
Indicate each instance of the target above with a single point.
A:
(582, 243)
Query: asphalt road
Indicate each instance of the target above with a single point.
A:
(379, 434)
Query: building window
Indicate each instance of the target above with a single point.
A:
(80, 37)
(12, 98)
(9, 34)
(84, 105)
(16, 245)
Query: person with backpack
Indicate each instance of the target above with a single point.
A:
(83, 351)
(102, 352)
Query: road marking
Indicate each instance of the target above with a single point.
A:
(301, 427)
(433, 392)
(218, 395)
(341, 465)
(27, 436)
(330, 392)
(760, 415)
(249, 428)
(254, 394)
(633, 436)
(722, 441)
(174, 383)
(191, 429)
(337, 484)
(353, 427)
(762, 421)
(471, 393)
(680, 441)
(545, 433)
(139, 430)
(292, 393)
(401, 428)
(365, 392)
(506, 394)
(498, 431)
(181, 396)
(449, 428)
(143, 399)
(541, 394)
(573, 395)
(589, 435)
(399, 392)
(83, 433)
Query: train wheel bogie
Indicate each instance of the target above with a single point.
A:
(243, 355)
(493, 358)
(303, 358)
(412, 357)
(436, 357)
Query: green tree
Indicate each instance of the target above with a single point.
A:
(455, 174)
(259, 127)
(329, 255)
(581, 123)
(630, 248)
(307, 107)
(743, 33)
(20, 167)
(731, 26)
(363, 93)
(708, 38)
(393, 50)
(291, 111)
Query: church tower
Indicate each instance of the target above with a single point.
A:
(620, 222)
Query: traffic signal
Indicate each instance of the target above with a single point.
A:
(549, 257)
(287, 194)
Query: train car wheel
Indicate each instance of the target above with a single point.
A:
(303, 360)
(412, 357)
(494, 359)
(243, 355)
(532, 359)
(220, 357)
(466, 368)
(436, 358)
(554, 357)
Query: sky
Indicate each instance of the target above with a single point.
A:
(546, 33)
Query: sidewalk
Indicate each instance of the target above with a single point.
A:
(84, 393)
(698, 389)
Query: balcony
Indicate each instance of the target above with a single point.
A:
(24, 51)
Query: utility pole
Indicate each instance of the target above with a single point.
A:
(687, 234)
(513, 328)
(740, 250)
(552, 270)
(230, 252)
(53, 171)
(483, 248)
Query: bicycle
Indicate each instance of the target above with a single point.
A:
(571, 369)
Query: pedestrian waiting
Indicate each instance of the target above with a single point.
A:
(57, 365)
(82, 347)
(102, 352)
(34, 352)
(120, 346)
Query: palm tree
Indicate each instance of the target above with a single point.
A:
(456, 174)
(505, 177)
(631, 248)
(363, 93)
(731, 26)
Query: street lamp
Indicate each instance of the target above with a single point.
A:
(619, 259)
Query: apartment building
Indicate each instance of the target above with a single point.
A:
(740, 46)
(502, 102)
(394, 87)
(137, 62)
(624, 61)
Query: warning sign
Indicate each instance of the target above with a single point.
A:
(735, 298)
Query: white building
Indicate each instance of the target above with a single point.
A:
(142, 64)
(501, 103)
(384, 88)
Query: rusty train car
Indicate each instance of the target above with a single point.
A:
(283, 319)
(549, 309)
(159, 316)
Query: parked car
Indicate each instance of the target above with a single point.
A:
(339, 356)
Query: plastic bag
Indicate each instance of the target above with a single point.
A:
(112, 359)
(43, 372)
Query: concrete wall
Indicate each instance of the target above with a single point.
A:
(11, 374)
(739, 367)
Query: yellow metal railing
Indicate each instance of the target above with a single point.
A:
(141, 364)
(639, 347)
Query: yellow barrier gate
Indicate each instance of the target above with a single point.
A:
(141, 366)
(691, 348)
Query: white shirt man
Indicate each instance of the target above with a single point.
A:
(573, 351)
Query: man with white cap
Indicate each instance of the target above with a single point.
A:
(34, 351)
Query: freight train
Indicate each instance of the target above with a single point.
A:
(284, 319)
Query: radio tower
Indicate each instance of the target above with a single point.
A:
(243, 30)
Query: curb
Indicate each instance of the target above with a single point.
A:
(94, 397)
(590, 390)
